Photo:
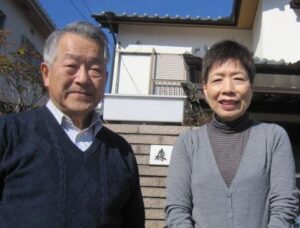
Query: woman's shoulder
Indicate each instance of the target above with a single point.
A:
(194, 132)
(268, 128)
(193, 137)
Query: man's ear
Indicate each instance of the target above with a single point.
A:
(44, 68)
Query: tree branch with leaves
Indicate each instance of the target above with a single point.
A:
(19, 71)
(194, 113)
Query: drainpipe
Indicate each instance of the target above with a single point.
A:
(109, 21)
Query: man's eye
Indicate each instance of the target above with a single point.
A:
(95, 69)
(73, 66)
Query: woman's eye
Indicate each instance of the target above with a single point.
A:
(216, 80)
(239, 79)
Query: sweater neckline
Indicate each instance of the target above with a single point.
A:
(241, 167)
(61, 138)
(236, 126)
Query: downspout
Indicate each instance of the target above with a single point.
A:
(109, 21)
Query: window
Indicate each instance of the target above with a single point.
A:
(2, 19)
(31, 56)
(156, 74)
(295, 4)
(168, 72)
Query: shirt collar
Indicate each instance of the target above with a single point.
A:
(55, 111)
(62, 119)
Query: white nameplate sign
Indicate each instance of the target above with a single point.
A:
(160, 154)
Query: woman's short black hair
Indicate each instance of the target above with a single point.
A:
(225, 50)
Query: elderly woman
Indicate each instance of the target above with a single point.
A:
(233, 172)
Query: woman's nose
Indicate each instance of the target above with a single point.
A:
(227, 86)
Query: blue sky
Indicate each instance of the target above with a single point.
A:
(63, 12)
(66, 11)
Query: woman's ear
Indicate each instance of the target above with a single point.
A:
(204, 89)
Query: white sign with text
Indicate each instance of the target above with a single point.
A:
(160, 154)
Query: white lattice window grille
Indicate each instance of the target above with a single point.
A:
(167, 74)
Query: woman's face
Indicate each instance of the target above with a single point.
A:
(228, 90)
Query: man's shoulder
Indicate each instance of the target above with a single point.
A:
(118, 144)
(18, 127)
(22, 116)
(18, 121)
(113, 139)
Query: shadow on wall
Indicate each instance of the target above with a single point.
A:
(273, 4)
(297, 12)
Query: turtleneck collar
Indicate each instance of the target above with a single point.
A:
(235, 126)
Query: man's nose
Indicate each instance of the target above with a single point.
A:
(82, 75)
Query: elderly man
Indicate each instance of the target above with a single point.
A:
(59, 167)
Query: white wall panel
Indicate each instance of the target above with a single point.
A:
(279, 31)
(134, 74)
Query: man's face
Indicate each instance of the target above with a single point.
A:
(76, 78)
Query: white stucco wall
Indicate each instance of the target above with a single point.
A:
(257, 33)
(279, 31)
(171, 40)
(132, 80)
(18, 24)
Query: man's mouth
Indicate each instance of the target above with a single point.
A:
(80, 93)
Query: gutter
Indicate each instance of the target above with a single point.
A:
(109, 20)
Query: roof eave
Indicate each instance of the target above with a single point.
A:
(243, 16)
(282, 69)
(108, 19)
(266, 67)
(246, 13)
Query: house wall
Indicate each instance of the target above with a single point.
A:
(152, 177)
(274, 36)
(18, 24)
(171, 39)
(132, 80)
(279, 30)
(257, 33)
(145, 39)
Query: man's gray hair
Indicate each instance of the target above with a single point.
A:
(81, 28)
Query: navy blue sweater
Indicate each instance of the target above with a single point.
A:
(46, 181)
